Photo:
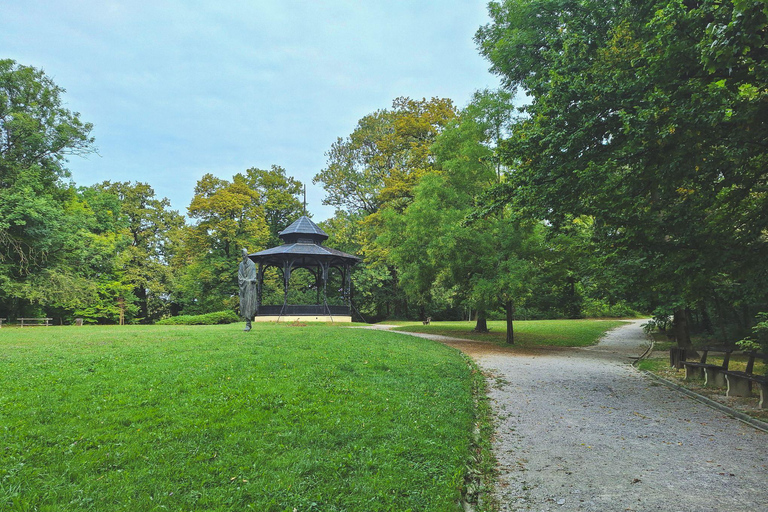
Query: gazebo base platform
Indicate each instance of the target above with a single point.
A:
(303, 318)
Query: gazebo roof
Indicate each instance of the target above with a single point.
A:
(303, 247)
(303, 228)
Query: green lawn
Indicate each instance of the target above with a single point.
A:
(210, 418)
(528, 333)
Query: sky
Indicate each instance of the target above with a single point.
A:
(177, 89)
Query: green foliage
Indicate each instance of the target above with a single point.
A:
(150, 230)
(384, 157)
(375, 169)
(36, 135)
(215, 318)
(661, 321)
(595, 308)
(647, 118)
(760, 335)
(246, 212)
(279, 196)
(211, 418)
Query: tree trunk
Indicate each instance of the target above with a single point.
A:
(681, 329)
(510, 310)
(482, 322)
(706, 321)
(141, 294)
(572, 304)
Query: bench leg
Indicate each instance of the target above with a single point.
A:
(763, 394)
(692, 373)
(714, 378)
(738, 386)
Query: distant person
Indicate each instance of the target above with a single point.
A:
(246, 278)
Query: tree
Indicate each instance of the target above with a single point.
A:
(486, 263)
(377, 168)
(150, 227)
(229, 217)
(37, 134)
(385, 155)
(244, 213)
(279, 197)
(646, 118)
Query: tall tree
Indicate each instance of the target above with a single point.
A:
(279, 196)
(385, 155)
(377, 168)
(151, 228)
(37, 134)
(489, 263)
(245, 212)
(229, 217)
(647, 118)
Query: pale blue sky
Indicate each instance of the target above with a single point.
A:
(180, 88)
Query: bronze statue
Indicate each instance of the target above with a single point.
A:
(246, 278)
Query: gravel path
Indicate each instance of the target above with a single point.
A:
(581, 429)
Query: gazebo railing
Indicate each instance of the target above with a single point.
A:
(304, 310)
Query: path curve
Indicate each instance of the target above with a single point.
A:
(582, 429)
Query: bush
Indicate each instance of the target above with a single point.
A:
(760, 333)
(596, 308)
(218, 317)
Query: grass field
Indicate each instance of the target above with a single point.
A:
(210, 418)
(528, 333)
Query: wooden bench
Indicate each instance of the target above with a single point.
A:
(427, 321)
(2, 320)
(711, 373)
(740, 383)
(31, 322)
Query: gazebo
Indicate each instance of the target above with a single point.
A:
(303, 249)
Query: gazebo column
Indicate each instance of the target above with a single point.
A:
(317, 283)
(347, 285)
(325, 267)
(287, 267)
(259, 284)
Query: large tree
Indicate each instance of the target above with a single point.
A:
(384, 157)
(245, 212)
(279, 196)
(650, 119)
(487, 263)
(37, 134)
(376, 168)
(151, 228)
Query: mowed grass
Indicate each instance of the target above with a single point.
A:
(528, 333)
(211, 418)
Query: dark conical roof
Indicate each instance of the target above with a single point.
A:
(303, 246)
(303, 228)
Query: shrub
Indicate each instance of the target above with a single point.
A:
(217, 317)
(597, 308)
(760, 333)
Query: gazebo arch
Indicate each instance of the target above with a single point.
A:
(303, 248)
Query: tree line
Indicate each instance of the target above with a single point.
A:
(115, 249)
(632, 179)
